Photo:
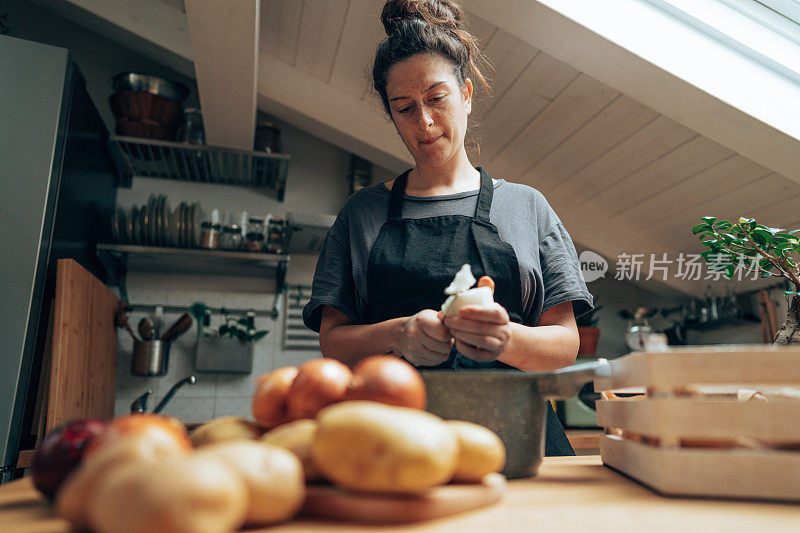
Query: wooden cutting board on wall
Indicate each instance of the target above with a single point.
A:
(83, 368)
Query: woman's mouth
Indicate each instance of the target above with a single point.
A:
(429, 141)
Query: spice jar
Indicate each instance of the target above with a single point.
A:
(209, 235)
(276, 236)
(254, 237)
(231, 238)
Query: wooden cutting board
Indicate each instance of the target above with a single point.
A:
(83, 368)
(336, 504)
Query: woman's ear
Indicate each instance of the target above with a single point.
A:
(467, 91)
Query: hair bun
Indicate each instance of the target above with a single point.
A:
(444, 14)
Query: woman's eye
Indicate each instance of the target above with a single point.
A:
(403, 110)
(437, 98)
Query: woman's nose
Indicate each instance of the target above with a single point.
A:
(425, 118)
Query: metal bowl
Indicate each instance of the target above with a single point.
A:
(512, 404)
(132, 81)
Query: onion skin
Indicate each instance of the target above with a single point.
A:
(486, 281)
(319, 383)
(270, 408)
(388, 380)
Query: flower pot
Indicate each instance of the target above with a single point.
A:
(588, 337)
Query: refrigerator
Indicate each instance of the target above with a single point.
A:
(58, 193)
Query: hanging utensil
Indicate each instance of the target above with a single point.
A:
(121, 319)
(146, 329)
(178, 328)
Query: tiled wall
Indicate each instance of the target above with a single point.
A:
(214, 394)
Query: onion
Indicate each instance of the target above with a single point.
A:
(389, 380)
(165, 431)
(269, 401)
(61, 452)
(319, 383)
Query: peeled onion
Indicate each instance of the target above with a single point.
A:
(270, 408)
(389, 380)
(319, 383)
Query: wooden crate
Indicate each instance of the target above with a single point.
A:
(692, 432)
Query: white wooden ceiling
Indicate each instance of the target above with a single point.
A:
(555, 128)
(623, 177)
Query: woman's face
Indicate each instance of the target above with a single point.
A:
(429, 108)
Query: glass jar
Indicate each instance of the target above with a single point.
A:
(231, 238)
(209, 235)
(254, 236)
(192, 131)
(276, 236)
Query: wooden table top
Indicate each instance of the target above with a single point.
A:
(570, 494)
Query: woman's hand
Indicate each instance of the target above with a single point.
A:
(424, 341)
(481, 332)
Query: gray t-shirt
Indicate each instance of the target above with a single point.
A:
(548, 263)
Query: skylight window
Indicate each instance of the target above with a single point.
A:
(787, 8)
(765, 30)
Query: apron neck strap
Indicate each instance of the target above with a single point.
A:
(396, 196)
(484, 196)
(481, 210)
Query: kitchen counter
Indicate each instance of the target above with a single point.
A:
(569, 494)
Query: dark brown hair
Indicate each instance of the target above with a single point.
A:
(426, 26)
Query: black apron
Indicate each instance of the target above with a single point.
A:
(413, 260)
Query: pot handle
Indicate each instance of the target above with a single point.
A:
(566, 382)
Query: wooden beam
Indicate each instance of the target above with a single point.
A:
(225, 37)
(331, 113)
(666, 64)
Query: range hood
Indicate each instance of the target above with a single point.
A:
(307, 231)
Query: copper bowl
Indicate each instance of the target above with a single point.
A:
(142, 114)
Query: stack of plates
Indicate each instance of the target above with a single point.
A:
(155, 224)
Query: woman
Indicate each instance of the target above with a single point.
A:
(395, 246)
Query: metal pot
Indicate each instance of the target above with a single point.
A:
(513, 404)
(132, 81)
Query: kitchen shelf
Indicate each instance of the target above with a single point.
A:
(721, 323)
(194, 261)
(152, 158)
(119, 259)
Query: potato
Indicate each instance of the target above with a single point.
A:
(190, 494)
(78, 491)
(375, 447)
(273, 475)
(481, 451)
(296, 437)
(224, 428)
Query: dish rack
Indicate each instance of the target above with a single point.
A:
(716, 421)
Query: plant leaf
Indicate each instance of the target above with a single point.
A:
(761, 236)
(698, 228)
(258, 335)
(709, 220)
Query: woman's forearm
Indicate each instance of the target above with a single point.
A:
(540, 348)
(350, 343)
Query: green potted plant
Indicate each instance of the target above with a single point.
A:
(588, 331)
(769, 251)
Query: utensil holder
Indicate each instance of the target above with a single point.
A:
(150, 358)
(214, 354)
